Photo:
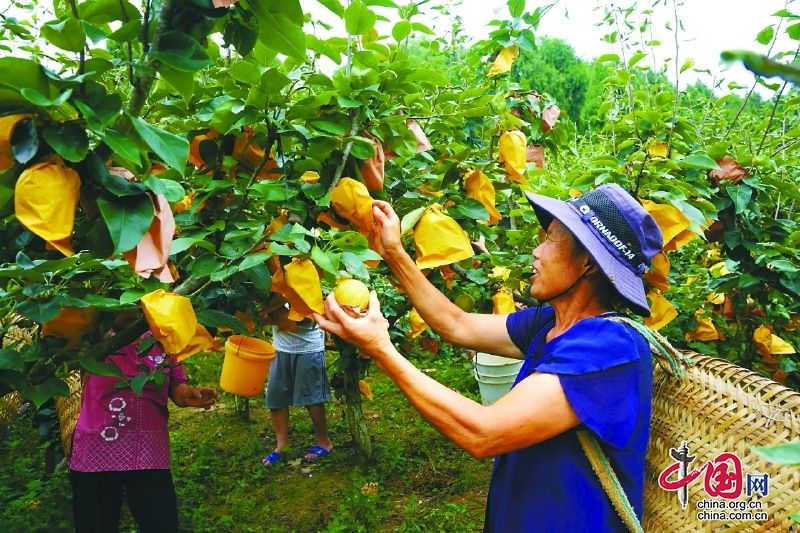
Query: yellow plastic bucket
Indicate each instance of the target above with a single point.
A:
(246, 364)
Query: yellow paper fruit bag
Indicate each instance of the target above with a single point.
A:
(440, 240)
(417, 324)
(72, 323)
(171, 318)
(7, 125)
(659, 276)
(513, 154)
(45, 198)
(705, 331)
(201, 341)
(480, 188)
(304, 291)
(351, 200)
(662, 312)
(151, 255)
(504, 60)
(671, 221)
(503, 302)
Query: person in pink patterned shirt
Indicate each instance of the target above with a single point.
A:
(120, 446)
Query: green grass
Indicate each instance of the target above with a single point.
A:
(420, 481)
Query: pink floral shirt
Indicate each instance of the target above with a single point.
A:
(118, 429)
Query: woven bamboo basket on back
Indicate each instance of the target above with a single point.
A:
(720, 407)
(10, 403)
(67, 409)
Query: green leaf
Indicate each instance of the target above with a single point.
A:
(40, 311)
(127, 32)
(786, 454)
(358, 18)
(253, 260)
(401, 30)
(355, 265)
(53, 387)
(427, 75)
(102, 111)
(27, 73)
(516, 8)
(179, 80)
(128, 218)
(105, 11)
(93, 168)
(763, 65)
(261, 278)
(130, 296)
(698, 161)
(273, 80)
(277, 32)
(68, 139)
(11, 360)
(636, 58)
(473, 209)
(334, 6)
(138, 383)
(37, 98)
(689, 63)
(102, 369)
(246, 72)
(67, 34)
(93, 32)
(217, 319)
(173, 149)
(422, 28)
(741, 195)
(322, 260)
(607, 57)
(181, 52)
(24, 140)
(410, 220)
(765, 35)
(173, 191)
(123, 145)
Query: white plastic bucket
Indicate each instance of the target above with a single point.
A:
(495, 375)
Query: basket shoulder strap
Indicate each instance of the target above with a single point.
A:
(609, 482)
(659, 346)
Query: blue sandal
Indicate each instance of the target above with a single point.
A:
(318, 451)
(272, 458)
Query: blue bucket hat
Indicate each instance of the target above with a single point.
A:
(617, 232)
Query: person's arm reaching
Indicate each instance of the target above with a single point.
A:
(535, 410)
(483, 332)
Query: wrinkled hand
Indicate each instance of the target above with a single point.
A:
(370, 333)
(386, 233)
(200, 397)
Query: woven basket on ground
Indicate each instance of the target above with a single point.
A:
(720, 407)
(68, 409)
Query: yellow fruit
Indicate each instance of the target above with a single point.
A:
(353, 293)
(465, 302)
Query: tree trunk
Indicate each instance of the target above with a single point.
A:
(242, 404)
(355, 416)
(351, 364)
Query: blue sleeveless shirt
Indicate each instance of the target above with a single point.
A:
(606, 372)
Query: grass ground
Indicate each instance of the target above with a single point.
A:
(420, 481)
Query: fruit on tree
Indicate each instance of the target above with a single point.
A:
(465, 302)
